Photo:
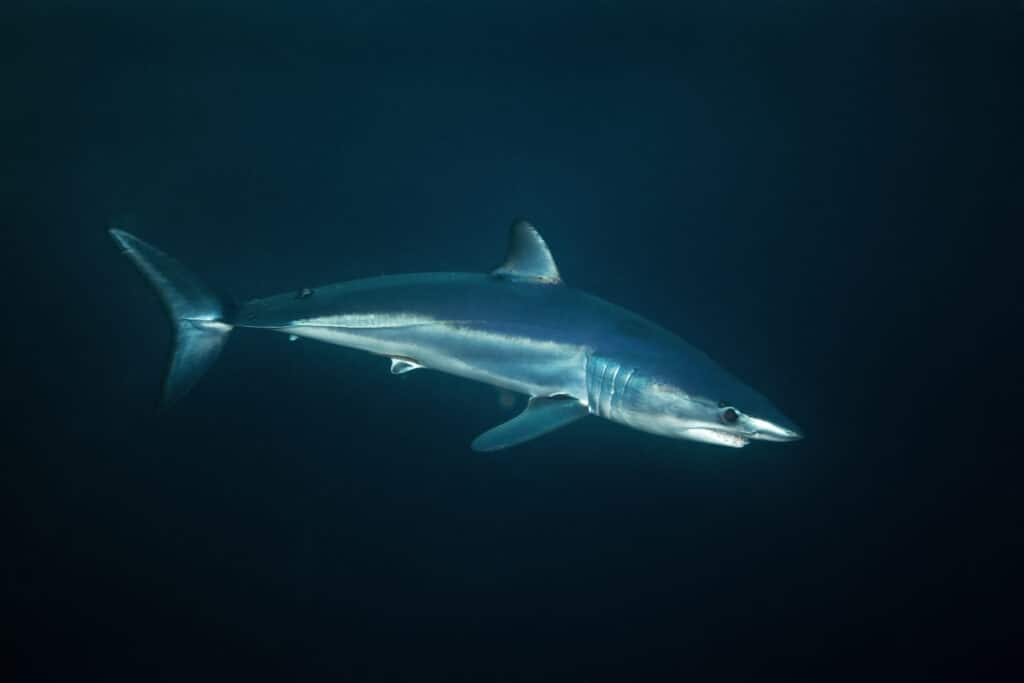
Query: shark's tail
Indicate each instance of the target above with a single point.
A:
(197, 315)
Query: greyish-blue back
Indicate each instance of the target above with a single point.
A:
(518, 327)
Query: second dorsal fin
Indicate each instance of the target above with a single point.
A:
(528, 257)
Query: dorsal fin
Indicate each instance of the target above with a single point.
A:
(528, 257)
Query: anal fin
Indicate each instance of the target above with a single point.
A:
(400, 366)
(542, 415)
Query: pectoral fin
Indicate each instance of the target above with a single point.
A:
(542, 415)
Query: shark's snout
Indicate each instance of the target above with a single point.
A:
(780, 430)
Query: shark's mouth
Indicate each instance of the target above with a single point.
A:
(719, 438)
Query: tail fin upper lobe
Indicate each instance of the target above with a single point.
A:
(196, 314)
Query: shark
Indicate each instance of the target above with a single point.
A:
(518, 327)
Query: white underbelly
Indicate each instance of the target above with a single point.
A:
(521, 364)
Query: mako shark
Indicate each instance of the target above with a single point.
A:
(519, 328)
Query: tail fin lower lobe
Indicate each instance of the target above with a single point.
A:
(197, 315)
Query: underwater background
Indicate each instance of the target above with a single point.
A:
(824, 196)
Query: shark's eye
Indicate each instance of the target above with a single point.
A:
(729, 416)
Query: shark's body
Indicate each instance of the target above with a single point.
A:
(518, 328)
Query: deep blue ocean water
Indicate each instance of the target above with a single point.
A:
(824, 199)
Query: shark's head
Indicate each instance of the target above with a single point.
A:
(717, 409)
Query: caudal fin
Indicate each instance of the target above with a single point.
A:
(196, 314)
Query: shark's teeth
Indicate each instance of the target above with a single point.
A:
(717, 437)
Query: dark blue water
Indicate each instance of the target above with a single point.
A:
(823, 199)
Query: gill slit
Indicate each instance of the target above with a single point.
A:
(625, 386)
(610, 394)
